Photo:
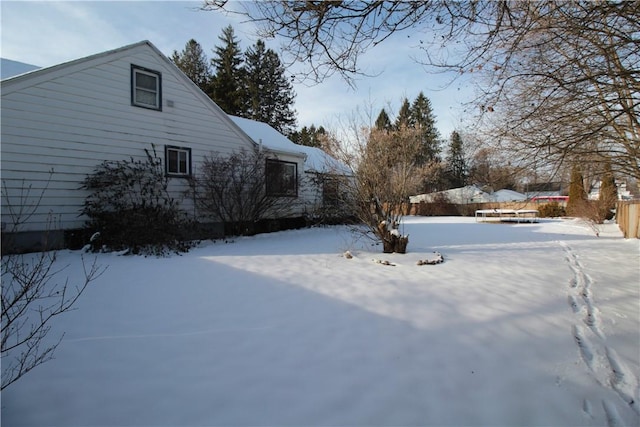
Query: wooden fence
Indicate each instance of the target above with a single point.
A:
(628, 218)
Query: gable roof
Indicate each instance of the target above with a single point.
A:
(34, 77)
(80, 63)
(249, 130)
(316, 160)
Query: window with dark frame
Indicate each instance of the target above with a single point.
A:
(282, 178)
(177, 161)
(146, 88)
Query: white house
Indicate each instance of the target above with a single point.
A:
(60, 122)
(316, 185)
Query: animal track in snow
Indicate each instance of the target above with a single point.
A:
(580, 285)
(603, 361)
(573, 304)
(585, 346)
(613, 418)
(622, 381)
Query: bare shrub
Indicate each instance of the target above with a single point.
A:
(34, 292)
(235, 189)
(130, 206)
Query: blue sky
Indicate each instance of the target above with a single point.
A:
(51, 32)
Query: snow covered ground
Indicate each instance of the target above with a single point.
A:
(523, 324)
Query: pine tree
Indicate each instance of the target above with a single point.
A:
(309, 136)
(577, 195)
(268, 94)
(194, 64)
(423, 118)
(226, 86)
(404, 118)
(383, 122)
(457, 169)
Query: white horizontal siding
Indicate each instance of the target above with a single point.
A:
(70, 119)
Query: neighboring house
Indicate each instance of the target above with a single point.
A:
(505, 195)
(460, 196)
(544, 189)
(60, 122)
(621, 187)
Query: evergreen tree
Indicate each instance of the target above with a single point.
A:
(226, 85)
(456, 164)
(383, 122)
(268, 94)
(577, 195)
(423, 118)
(194, 64)
(608, 192)
(404, 118)
(309, 136)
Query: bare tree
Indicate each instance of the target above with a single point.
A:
(387, 175)
(385, 172)
(561, 77)
(34, 292)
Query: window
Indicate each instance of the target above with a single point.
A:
(146, 88)
(282, 178)
(330, 190)
(177, 161)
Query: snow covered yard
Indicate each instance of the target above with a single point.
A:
(523, 324)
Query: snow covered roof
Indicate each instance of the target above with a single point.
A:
(508, 196)
(316, 160)
(462, 195)
(471, 194)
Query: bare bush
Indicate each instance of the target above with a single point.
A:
(131, 208)
(386, 175)
(334, 203)
(34, 292)
(239, 190)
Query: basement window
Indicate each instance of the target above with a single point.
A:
(146, 88)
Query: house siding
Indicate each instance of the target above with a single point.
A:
(58, 124)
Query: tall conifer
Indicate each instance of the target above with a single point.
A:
(226, 87)
(268, 95)
(383, 122)
(404, 118)
(577, 195)
(456, 164)
(194, 64)
(424, 119)
(608, 192)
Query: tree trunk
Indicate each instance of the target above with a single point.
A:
(394, 244)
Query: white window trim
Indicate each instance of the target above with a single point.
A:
(179, 150)
(135, 71)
